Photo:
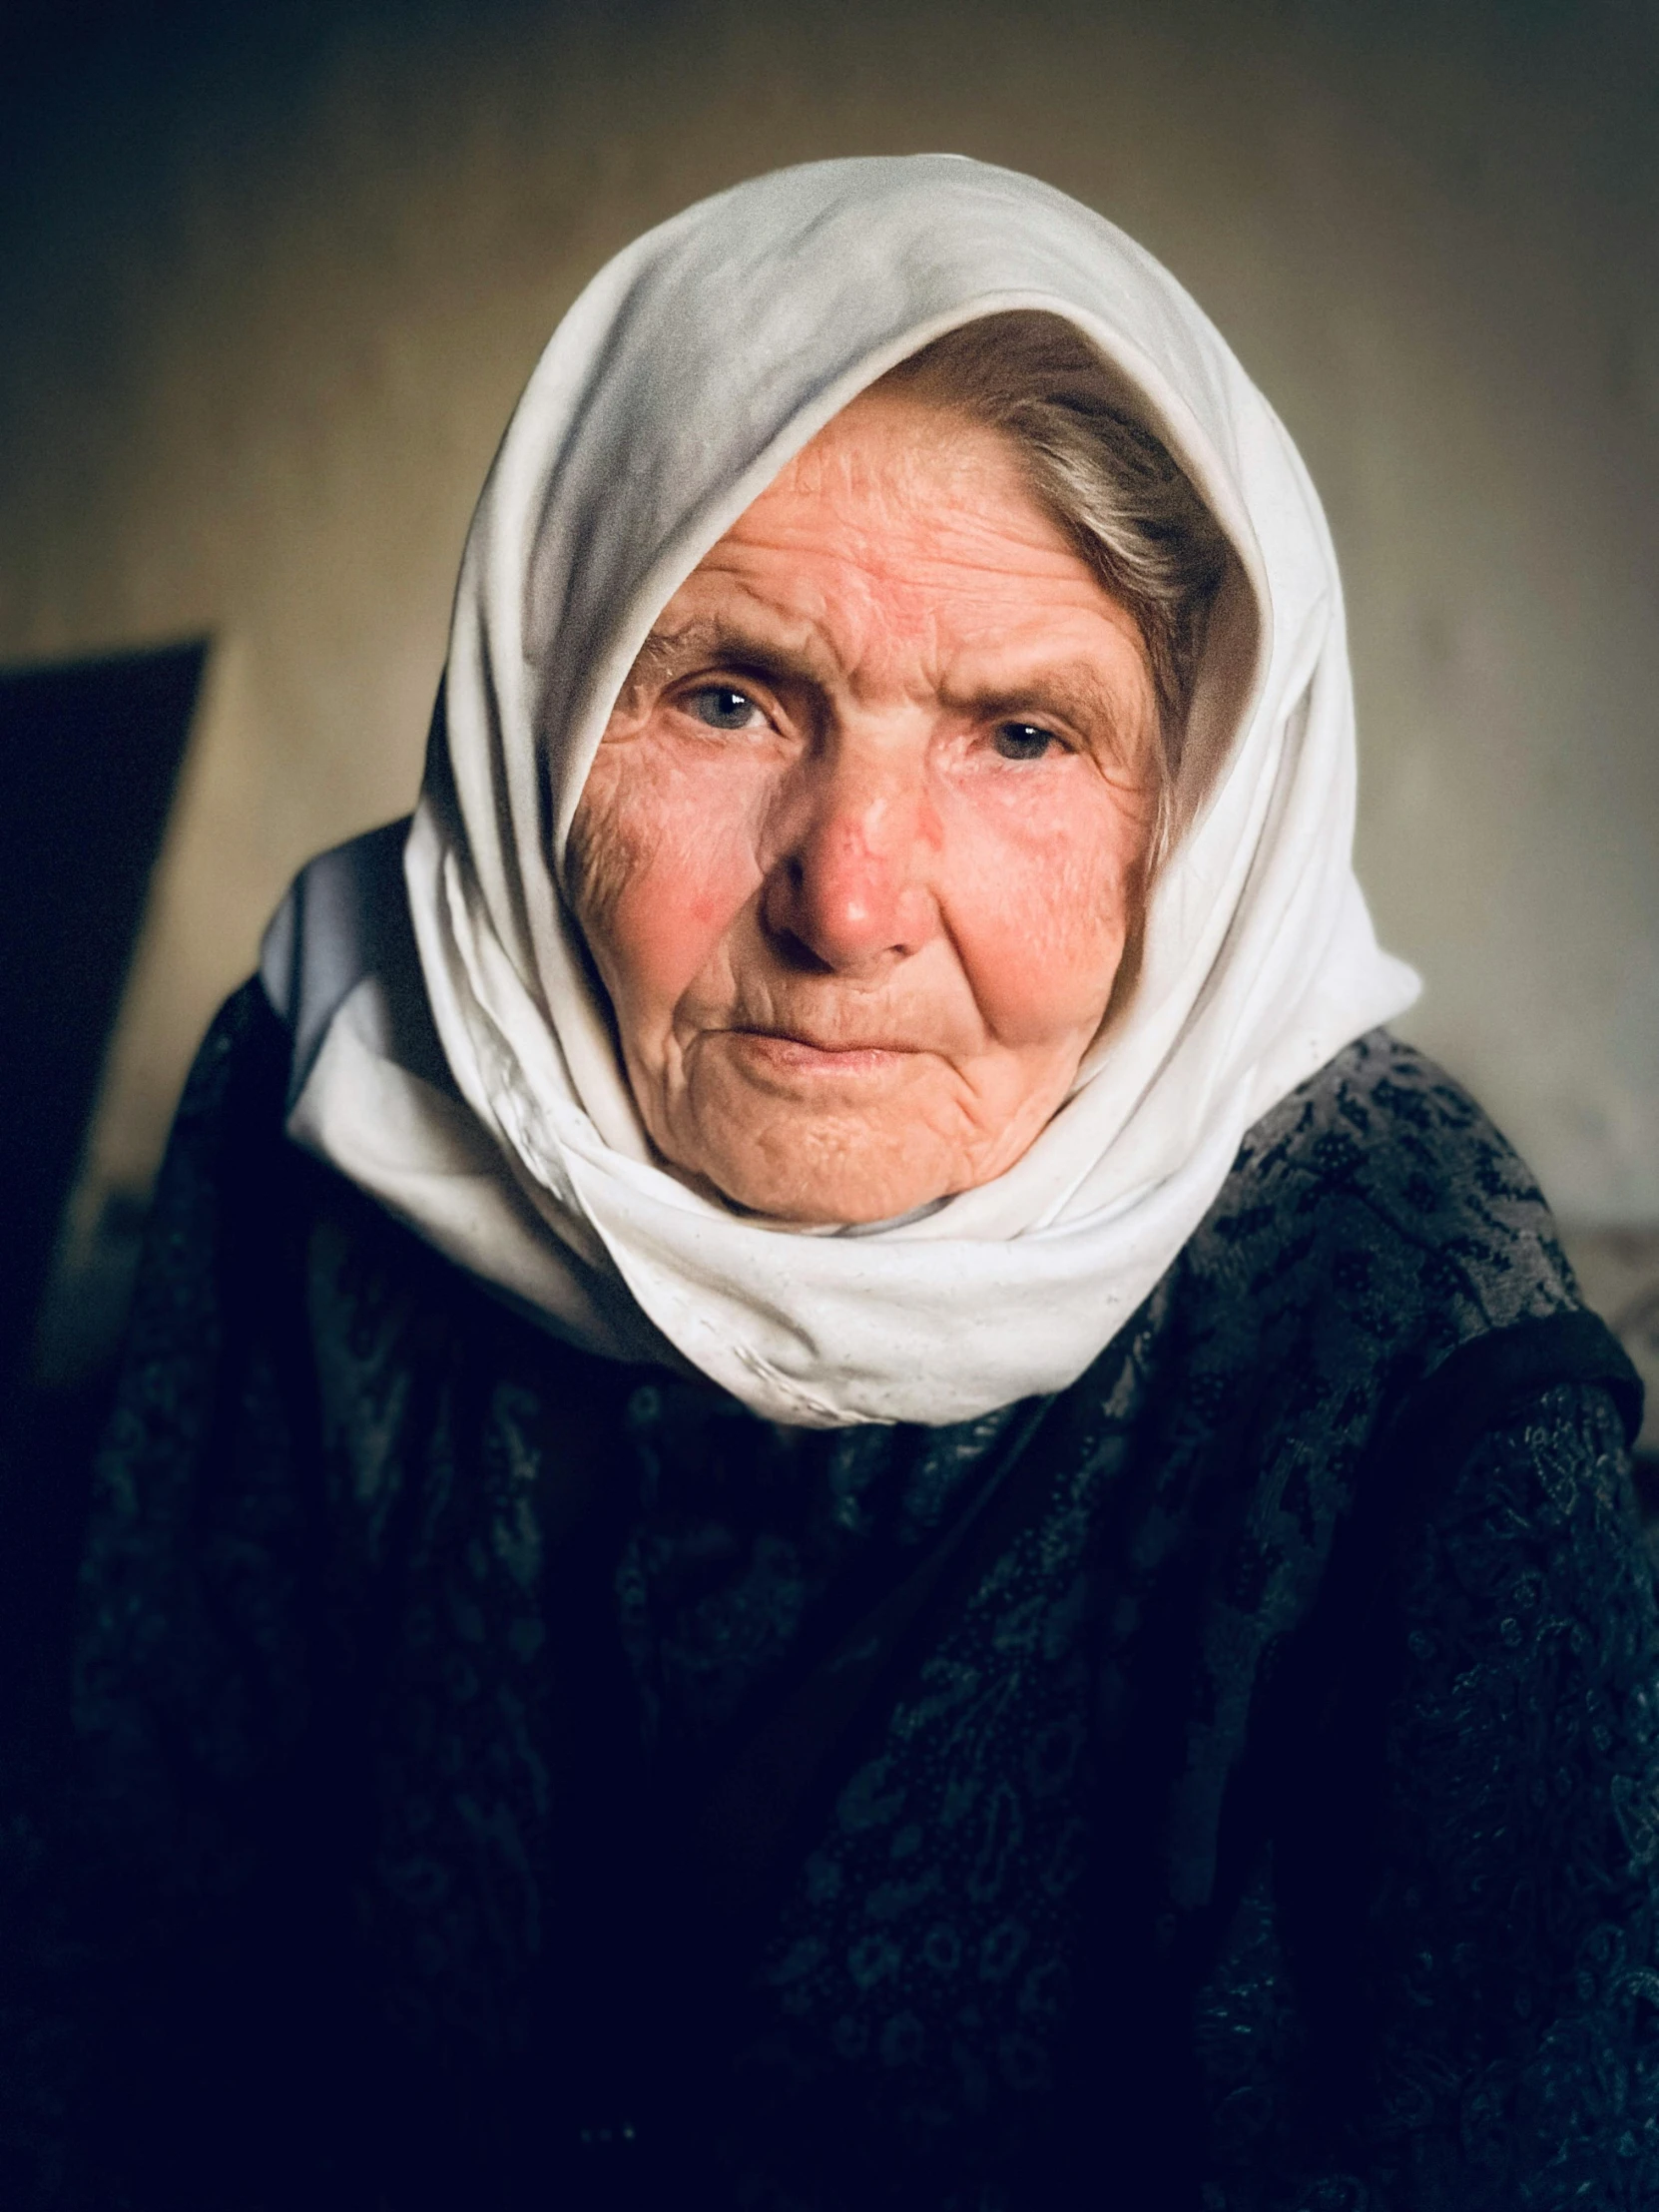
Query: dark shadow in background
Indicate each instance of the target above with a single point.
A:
(89, 759)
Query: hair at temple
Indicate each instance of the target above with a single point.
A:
(1111, 484)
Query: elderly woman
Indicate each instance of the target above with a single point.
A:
(834, 1490)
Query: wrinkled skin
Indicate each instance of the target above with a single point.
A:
(861, 846)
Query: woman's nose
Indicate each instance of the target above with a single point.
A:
(850, 884)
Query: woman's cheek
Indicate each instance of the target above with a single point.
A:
(688, 869)
(1039, 905)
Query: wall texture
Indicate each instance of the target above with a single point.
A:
(270, 282)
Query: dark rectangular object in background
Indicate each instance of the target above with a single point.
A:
(89, 757)
(90, 753)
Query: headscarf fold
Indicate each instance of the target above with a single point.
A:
(689, 373)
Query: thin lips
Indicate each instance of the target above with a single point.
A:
(823, 1045)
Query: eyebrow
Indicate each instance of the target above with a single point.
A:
(1072, 692)
(718, 640)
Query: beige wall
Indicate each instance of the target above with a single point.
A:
(265, 313)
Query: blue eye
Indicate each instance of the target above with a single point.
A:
(722, 708)
(1021, 740)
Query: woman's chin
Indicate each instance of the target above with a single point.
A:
(810, 1168)
(800, 1194)
(807, 1137)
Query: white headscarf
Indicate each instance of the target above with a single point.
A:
(690, 370)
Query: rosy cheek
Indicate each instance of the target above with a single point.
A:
(1040, 900)
(682, 862)
(670, 921)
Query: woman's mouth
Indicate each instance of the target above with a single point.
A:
(788, 1054)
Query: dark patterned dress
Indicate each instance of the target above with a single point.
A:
(508, 1778)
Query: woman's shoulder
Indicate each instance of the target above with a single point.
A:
(1381, 1184)
(242, 1065)
(1379, 1262)
(226, 1139)
(1382, 1113)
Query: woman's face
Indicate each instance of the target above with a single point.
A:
(859, 854)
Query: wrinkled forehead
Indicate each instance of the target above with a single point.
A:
(704, 357)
